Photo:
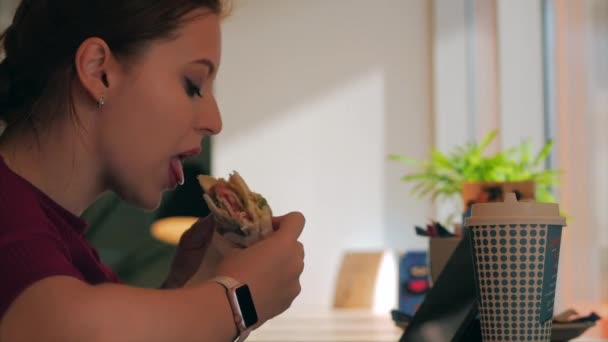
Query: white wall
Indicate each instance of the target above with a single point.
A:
(459, 86)
(488, 73)
(314, 95)
(521, 72)
(454, 122)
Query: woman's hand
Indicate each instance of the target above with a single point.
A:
(271, 267)
(199, 253)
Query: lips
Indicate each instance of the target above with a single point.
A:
(189, 153)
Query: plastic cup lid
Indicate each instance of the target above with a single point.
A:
(512, 211)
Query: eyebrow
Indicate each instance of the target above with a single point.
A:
(208, 63)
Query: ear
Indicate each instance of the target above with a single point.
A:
(95, 67)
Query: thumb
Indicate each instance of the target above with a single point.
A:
(199, 236)
(290, 226)
(192, 247)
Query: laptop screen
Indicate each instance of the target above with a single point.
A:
(449, 310)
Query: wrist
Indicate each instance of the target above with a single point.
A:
(225, 311)
(239, 297)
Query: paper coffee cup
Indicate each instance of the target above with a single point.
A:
(515, 249)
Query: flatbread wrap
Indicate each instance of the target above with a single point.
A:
(243, 216)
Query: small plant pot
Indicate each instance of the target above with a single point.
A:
(484, 192)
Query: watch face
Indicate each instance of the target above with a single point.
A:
(243, 295)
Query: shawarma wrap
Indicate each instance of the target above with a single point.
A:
(243, 216)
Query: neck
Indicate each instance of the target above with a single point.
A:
(58, 162)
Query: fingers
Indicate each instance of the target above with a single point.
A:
(296, 290)
(276, 222)
(193, 246)
(291, 225)
(300, 248)
(277, 219)
(300, 257)
(198, 236)
(239, 241)
(222, 243)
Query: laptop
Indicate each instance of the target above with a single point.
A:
(449, 311)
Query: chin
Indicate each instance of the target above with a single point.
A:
(150, 203)
(146, 200)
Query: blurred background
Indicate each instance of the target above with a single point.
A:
(316, 94)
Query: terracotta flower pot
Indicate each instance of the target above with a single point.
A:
(483, 192)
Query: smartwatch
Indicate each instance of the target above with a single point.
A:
(241, 303)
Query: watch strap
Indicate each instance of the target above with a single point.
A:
(230, 284)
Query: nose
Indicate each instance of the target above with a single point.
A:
(210, 118)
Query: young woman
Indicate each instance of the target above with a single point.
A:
(111, 95)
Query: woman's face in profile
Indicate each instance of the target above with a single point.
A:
(160, 110)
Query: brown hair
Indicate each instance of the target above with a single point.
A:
(41, 44)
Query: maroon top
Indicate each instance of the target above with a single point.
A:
(39, 239)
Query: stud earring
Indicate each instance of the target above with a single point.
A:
(101, 102)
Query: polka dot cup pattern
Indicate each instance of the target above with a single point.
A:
(515, 248)
(509, 262)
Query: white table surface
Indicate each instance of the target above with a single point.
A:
(335, 326)
(332, 326)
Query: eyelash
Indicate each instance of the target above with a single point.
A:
(192, 89)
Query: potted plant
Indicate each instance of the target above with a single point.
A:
(447, 175)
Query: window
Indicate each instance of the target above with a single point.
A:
(578, 46)
(539, 71)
